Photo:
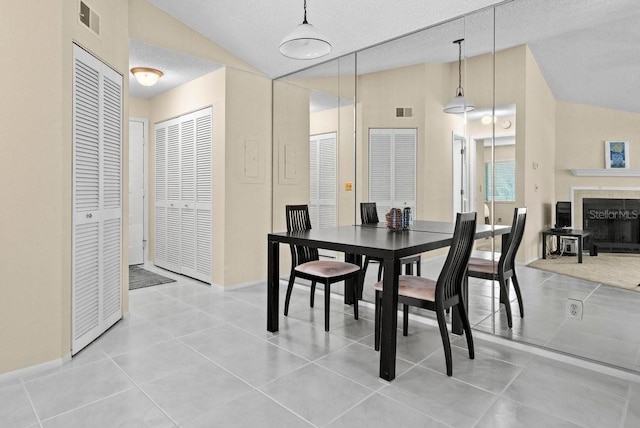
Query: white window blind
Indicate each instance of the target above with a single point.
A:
(505, 181)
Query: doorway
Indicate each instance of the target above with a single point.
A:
(137, 191)
(463, 157)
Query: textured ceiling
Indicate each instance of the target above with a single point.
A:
(588, 50)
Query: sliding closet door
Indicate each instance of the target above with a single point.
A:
(97, 198)
(183, 194)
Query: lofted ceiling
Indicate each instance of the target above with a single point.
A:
(588, 50)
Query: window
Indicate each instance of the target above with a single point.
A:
(505, 186)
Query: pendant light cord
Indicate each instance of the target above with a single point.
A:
(459, 42)
(305, 12)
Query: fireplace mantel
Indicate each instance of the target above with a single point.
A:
(621, 172)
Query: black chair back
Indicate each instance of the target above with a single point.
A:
(368, 213)
(508, 255)
(298, 220)
(449, 285)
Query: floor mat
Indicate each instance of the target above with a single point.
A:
(140, 278)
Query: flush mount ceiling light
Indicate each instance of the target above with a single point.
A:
(459, 104)
(146, 76)
(305, 42)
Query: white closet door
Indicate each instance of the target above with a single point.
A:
(380, 173)
(188, 195)
(392, 169)
(97, 199)
(183, 194)
(404, 168)
(204, 202)
(174, 227)
(160, 197)
(322, 180)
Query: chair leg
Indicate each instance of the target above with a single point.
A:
(507, 305)
(516, 286)
(356, 287)
(327, 298)
(365, 265)
(378, 313)
(313, 293)
(380, 271)
(442, 323)
(418, 263)
(405, 320)
(466, 325)
(288, 298)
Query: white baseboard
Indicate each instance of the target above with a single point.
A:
(34, 371)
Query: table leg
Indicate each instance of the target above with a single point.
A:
(580, 249)
(389, 319)
(273, 285)
(356, 259)
(544, 246)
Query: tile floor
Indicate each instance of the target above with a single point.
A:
(190, 356)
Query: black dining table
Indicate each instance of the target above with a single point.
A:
(373, 240)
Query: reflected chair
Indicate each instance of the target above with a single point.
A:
(440, 295)
(305, 264)
(369, 215)
(504, 269)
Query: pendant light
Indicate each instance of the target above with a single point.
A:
(305, 42)
(459, 104)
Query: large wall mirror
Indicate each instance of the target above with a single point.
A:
(379, 114)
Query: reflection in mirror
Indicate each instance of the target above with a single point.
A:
(549, 89)
(313, 144)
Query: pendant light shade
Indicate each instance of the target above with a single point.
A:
(305, 42)
(459, 104)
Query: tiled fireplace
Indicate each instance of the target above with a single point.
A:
(613, 215)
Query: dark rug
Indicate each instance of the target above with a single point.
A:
(140, 278)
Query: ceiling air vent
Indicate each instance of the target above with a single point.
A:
(404, 112)
(89, 18)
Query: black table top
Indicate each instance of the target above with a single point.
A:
(567, 232)
(379, 241)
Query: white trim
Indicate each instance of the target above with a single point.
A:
(145, 183)
(35, 370)
(621, 172)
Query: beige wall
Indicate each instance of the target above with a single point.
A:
(153, 26)
(35, 249)
(580, 134)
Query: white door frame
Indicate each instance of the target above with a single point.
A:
(145, 175)
(466, 159)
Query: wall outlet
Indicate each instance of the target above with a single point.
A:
(574, 309)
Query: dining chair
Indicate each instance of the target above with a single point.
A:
(503, 269)
(440, 295)
(369, 215)
(305, 264)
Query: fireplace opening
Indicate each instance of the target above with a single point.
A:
(614, 223)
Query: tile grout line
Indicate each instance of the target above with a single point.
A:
(33, 406)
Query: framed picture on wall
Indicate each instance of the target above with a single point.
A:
(616, 154)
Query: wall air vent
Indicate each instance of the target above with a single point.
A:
(404, 112)
(89, 18)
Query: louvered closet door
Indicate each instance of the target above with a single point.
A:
(160, 197)
(97, 204)
(322, 180)
(392, 169)
(204, 201)
(183, 194)
(188, 195)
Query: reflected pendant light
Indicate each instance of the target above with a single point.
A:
(305, 42)
(146, 76)
(459, 104)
